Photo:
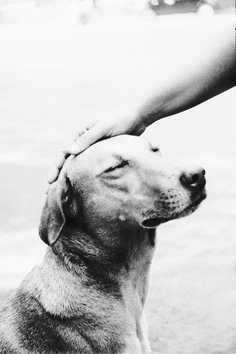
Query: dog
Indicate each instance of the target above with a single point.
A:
(99, 223)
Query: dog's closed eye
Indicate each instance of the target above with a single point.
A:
(155, 149)
(116, 166)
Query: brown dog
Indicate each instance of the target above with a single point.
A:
(99, 221)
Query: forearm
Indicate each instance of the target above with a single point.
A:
(205, 77)
(202, 78)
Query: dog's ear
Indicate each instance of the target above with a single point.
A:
(53, 215)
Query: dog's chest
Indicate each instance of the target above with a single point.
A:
(138, 268)
(134, 291)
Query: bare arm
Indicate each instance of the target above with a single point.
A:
(205, 76)
(208, 75)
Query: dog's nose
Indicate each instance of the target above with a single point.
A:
(194, 180)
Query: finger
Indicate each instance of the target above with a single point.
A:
(87, 139)
(60, 160)
(57, 166)
(53, 174)
(84, 128)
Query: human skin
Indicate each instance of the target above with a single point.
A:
(205, 76)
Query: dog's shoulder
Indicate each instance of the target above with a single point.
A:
(26, 326)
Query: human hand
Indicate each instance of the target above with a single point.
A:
(96, 130)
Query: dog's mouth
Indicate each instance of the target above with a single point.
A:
(154, 222)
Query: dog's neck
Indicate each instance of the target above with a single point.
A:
(97, 268)
(104, 253)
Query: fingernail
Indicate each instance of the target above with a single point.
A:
(53, 174)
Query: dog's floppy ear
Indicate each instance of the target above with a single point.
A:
(53, 215)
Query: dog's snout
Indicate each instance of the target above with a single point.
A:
(193, 180)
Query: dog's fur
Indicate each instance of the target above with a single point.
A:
(99, 221)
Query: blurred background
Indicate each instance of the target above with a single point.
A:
(63, 62)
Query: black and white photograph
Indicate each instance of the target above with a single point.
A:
(118, 173)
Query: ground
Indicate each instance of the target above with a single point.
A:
(55, 75)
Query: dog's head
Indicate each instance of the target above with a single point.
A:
(117, 183)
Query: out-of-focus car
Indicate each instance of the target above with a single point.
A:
(182, 6)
